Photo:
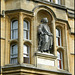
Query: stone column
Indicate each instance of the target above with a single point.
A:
(20, 39)
(2, 34)
(35, 39)
(32, 39)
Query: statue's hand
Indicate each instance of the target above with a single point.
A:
(42, 33)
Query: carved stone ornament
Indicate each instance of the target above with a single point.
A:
(45, 37)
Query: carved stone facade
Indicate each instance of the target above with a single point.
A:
(20, 22)
(45, 37)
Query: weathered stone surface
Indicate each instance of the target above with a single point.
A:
(34, 11)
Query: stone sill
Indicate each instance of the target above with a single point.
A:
(16, 65)
(12, 68)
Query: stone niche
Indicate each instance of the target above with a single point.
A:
(45, 14)
(45, 60)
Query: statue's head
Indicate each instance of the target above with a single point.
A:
(44, 20)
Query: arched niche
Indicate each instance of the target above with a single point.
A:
(45, 14)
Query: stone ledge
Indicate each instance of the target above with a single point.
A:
(27, 12)
(23, 10)
(25, 68)
(46, 55)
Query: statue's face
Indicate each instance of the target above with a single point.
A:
(44, 20)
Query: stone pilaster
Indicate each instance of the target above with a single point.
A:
(54, 39)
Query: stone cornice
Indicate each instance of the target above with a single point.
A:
(20, 10)
(71, 9)
(51, 4)
(12, 68)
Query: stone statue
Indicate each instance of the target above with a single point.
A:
(45, 37)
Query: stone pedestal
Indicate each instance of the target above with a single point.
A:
(45, 60)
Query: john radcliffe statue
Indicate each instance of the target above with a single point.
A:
(45, 37)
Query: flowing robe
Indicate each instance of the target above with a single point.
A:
(45, 38)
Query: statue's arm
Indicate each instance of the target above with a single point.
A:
(40, 29)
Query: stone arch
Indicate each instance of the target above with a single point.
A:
(40, 7)
(44, 14)
(47, 11)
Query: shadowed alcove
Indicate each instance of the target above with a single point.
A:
(45, 14)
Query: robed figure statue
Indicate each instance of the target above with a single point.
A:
(45, 37)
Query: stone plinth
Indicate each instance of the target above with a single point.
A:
(45, 60)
